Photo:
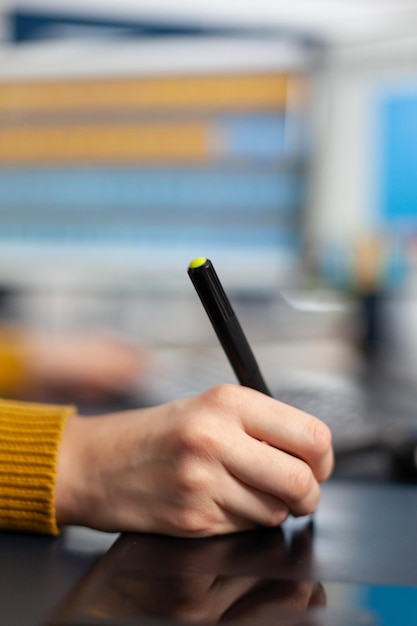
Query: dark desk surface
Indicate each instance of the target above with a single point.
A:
(37, 572)
(363, 535)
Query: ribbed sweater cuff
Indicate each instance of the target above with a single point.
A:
(29, 440)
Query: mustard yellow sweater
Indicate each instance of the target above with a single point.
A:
(29, 440)
(13, 379)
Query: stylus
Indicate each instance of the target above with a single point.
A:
(226, 324)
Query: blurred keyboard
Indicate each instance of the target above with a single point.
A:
(361, 414)
(358, 417)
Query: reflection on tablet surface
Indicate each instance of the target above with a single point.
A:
(259, 579)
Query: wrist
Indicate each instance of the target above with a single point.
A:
(72, 480)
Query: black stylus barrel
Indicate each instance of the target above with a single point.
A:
(226, 325)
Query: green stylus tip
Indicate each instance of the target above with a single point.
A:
(197, 262)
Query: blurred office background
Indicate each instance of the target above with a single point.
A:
(278, 139)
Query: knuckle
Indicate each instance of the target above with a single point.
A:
(187, 436)
(191, 478)
(300, 481)
(309, 505)
(276, 515)
(197, 438)
(320, 437)
(222, 396)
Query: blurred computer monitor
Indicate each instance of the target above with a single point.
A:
(122, 160)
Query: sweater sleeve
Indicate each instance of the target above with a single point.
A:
(12, 361)
(30, 435)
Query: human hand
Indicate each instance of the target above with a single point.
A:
(223, 461)
(82, 366)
